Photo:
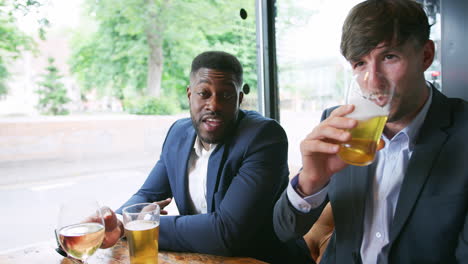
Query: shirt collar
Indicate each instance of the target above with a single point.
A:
(200, 150)
(412, 130)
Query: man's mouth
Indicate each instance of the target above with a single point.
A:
(212, 123)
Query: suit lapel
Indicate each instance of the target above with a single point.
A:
(360, 180)
(348, 208)
(212, 175)
(430, 140)
(185, 148)
(214, 164)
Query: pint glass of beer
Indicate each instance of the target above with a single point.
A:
(141, 223)
(371, 94)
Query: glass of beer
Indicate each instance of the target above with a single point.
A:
(141, 223)
(371, 94)
(80, 229)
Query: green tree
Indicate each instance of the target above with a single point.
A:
(12, 40)
(52, 93)
(144, 47)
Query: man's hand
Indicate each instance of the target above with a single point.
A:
(162, 204)
(319, 150)
(113, 228)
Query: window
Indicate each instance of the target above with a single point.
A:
(102, 53)
(312, 74)
(311, 71)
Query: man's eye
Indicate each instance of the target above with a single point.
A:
(390, 56)
(203, 94)
(358, 64)
(228, 95)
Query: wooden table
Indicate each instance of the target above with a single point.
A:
(45, 254)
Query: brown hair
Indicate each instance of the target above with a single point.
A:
(392, 22)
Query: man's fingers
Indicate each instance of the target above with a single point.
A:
(111, 237)
(342, 110)
(163, 212)
(381, 144)
(319, 146)
(110, 220)
(164, 203)
(340, 122)
(329, 134)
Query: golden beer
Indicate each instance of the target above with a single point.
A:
(361, 149)
(142, 236)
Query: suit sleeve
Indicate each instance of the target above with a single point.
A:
(156, 186)
(462, 247)
(288, 222)
(247, 203)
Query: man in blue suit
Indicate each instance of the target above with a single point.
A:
(411, 204)
(224, 167)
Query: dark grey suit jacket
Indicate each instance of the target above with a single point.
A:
(430, 223)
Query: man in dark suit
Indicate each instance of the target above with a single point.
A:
(224, 167)
(410, 205)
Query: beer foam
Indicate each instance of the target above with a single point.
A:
(365, 109)
(140, 225)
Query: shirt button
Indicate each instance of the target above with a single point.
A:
(378, 235)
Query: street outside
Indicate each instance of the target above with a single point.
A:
(30, 208)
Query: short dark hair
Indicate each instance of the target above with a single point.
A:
(218, 60)
(392, 22)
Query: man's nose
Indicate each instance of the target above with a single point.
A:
(214, 103)
(375, 78)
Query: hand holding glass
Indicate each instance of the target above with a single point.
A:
(80, 228)
(371, 94)
(141, 223)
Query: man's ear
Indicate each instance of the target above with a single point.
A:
(241, 96)
(189, 92)
(428, 54)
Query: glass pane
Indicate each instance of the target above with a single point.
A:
(106, 127)
(434, 73)
(311, 70)
(312, 74)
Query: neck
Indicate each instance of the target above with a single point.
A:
(392, 128)
(205, 145)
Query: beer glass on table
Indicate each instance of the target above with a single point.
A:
(372, 95)
(80, 229)
(141, 223)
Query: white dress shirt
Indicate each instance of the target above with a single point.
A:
(197, 173)
(387, 176)
(389, 172)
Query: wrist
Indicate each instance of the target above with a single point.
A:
(122, 229)
(300, 192)
(121, 225)
(306, 186)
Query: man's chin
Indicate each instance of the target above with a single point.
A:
(211, 139)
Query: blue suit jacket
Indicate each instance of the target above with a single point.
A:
(431, 218)
(246, 175)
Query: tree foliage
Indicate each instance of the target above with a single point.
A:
(12, 40)
(115, 56)
(52, 92)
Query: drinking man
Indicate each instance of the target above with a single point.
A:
(410, 205)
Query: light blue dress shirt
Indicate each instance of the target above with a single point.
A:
(388, 171)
